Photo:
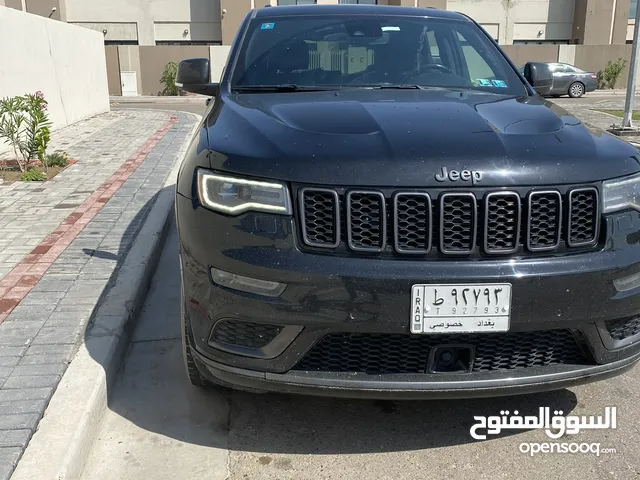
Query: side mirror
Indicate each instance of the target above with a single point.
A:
(193, 76)
(539, 76)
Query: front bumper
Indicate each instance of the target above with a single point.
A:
(405, 387)
(327, 294)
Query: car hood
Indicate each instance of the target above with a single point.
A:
(406, 137)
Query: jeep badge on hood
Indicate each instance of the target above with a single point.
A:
(464, 175)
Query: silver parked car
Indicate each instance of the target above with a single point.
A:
(570, 80)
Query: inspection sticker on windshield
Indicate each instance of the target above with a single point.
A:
(460, 308)
(267, 26)
(499, 83)
(483, 82)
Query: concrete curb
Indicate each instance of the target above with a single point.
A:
(65, 436)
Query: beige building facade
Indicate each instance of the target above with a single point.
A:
(142, 36)
(215, 22)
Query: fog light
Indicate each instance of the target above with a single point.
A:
(247, 284)
(626, 284)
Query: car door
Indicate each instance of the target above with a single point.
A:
(562, 78)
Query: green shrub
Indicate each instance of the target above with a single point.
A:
(57, 159)
(33, 176)
(613, 70)
(601, 83)
(169, 79)
(24, 124)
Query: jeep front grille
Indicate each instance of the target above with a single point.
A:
(458, 222)
(370, 221)
(583, 217)
(394, 353)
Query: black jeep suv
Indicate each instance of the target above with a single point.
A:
(378, 204)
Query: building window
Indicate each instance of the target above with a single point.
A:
(121, 42)
(541, 42)
(632, 8)
(296, 2)
(358, 2)
(187, 42)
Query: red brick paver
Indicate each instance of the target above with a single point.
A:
(24, 276)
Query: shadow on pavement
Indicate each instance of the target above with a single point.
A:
(332, 426)
(153, 396)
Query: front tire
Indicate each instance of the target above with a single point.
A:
(193, 372)
(576, 90)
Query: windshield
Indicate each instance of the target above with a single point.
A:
(361, 51)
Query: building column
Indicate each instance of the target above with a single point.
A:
(620, 22)
(600, 22)
(403, 3)
(439, 4)
(232, 13)
(17, 4)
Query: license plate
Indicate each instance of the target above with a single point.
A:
(460, 308)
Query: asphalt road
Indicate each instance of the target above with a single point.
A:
(158, 426)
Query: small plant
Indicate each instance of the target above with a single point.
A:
(601, 83)
(613, 70)
(33, 176)
(24, 124)
(169, 79)
(12, 120)
(56, 159)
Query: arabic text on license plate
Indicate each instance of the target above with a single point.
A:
(460, 308)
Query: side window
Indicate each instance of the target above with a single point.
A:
(476, 65)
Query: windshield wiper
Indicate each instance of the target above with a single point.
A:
(399, 87)
(285, 87)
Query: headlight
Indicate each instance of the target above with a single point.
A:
(621, 194)
(233, 195)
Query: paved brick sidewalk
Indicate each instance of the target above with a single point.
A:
(61, 243)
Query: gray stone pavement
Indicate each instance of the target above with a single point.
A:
(587, 111)
(40, 335)
(29, 211)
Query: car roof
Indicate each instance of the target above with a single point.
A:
(348, 9)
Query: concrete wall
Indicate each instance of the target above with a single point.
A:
(113, 70)
(154, 59)
(18, 4)
(148, 63)
(594, 57)
(43, 8)
(218, 58)
(520, 20)
(521, 54)
(66, 63)
(154, 20)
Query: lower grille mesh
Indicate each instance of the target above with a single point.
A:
(401, 353)
(245, 334)
(623, 328)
